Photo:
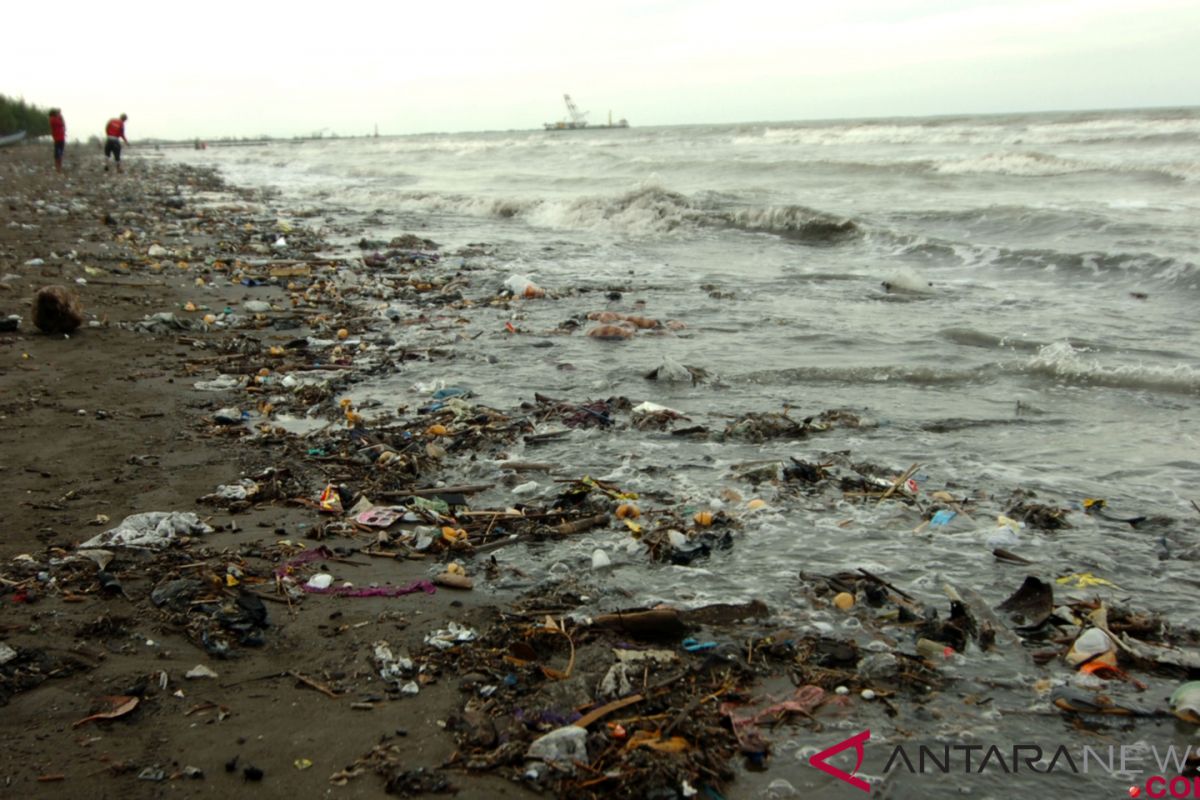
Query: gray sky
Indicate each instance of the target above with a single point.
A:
(214, 68)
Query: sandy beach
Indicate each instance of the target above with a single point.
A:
(204, 655)
(105, 423)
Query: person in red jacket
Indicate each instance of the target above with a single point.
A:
(58, 132)
(114, 133)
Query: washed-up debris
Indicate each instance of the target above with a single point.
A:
(1032, 604)
(392, 669)
(164, 322)
(200, 671)
(56, 309)
(671, 371)
(1185, 702)
(1093, 646)
(7, 654)
(110, 707)
(453, 634)
(151, 529)
(760, 427)
(1038, 515)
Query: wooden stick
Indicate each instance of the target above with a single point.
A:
(882, 582)
(908, 473)
(586, 523)
(606, 709)
(470, 488)
(312, 684)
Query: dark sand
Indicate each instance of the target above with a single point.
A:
(106, 422)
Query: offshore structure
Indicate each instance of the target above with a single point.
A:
(578, 120)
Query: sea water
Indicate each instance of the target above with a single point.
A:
(1010, 299)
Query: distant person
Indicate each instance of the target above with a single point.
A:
(114, 132)
(58, 132)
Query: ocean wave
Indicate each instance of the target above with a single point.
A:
(915, 376)
(1101, 265)
(1034, 164)
(464, 205)
(1165, 128)
(970, 337)
(645, 211)
(1137, 267)
(799, 223)
(1026, 164)
(1064, 363)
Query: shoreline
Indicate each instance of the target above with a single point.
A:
(148, 408)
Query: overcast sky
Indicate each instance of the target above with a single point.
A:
(217, 68)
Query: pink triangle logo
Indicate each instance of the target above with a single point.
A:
(855, 741)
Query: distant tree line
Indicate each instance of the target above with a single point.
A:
(17, 115)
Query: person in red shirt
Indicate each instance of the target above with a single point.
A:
(114, 133)
(58, 132)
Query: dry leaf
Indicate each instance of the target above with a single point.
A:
(116, 706)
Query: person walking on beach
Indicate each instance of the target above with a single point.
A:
(58, 132)
(114, 132)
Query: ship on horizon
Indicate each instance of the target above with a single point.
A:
(578, 120)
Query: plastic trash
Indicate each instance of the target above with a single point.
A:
(152, 529)
(522, 286)
(1005, 534)
(650, 408)
(942, 518)
(322, 580)
(672, 371)
(1093, 646)
(229, 416)
(331, 500)
(221, 383)
(561, 747)
(392, 668)
(600, 559)
(379, 516)
(199, 671)
(693, 645)
(1185, 702)
(243, 489)
(451, 635)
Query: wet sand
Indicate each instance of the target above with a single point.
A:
(105, 423)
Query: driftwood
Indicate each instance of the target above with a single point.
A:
(656, 623)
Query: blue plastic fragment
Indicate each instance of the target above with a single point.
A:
(695, 646)
(451, 391)
(941, 518)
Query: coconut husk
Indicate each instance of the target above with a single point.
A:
(56, 309)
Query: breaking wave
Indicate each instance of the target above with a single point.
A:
(1016, 130)
(915, 376)
(1065, 364)
(1033, 164)
(1135, 267)
(794, 222)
